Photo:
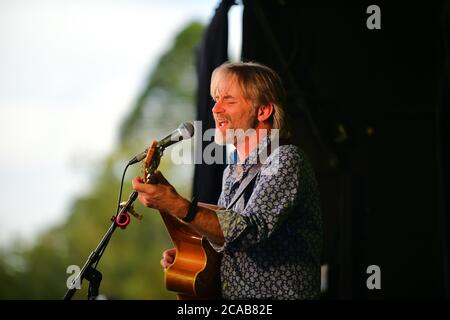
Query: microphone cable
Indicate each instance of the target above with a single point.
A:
(117, 212)
(121, 186)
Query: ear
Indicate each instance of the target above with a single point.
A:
(264, 112)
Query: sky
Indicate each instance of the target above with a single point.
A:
(69, 72)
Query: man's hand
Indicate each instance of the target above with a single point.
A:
(168, 258)
(160, 195)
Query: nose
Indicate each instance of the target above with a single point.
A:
(218, 106)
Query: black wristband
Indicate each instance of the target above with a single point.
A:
(192, 211)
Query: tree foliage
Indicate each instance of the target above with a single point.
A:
(130, 265)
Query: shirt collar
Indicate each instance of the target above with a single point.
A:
(254, 156)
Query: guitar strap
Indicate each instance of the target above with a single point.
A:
(249, 180)
(253, 172)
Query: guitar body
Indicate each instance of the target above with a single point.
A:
(195, 273)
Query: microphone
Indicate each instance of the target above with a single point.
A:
(184, 131)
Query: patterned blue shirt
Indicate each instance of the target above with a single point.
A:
(273, 241)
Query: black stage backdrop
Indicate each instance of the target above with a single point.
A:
(212, 52)
(371, 109)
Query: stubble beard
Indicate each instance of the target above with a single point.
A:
(235, 135)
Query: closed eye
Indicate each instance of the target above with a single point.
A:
(230, 100)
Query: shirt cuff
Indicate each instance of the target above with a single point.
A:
(232, 225)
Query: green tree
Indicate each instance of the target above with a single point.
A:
(130, 265)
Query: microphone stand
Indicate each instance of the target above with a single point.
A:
(89, 271)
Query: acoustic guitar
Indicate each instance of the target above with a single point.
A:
(195, 272)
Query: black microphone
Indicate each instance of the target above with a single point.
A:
(184, 131)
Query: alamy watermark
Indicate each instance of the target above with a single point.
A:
(374, 280)
(374, 20)
(73, 281)
(214, 153)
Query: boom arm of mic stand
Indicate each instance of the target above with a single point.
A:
(88, 272)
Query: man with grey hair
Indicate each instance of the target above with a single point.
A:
(268, 222)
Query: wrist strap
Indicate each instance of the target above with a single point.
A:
(192, 211)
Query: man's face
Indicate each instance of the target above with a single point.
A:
(231, 111)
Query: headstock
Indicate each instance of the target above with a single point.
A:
(151, 161)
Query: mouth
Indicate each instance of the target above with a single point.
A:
(221, 124)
